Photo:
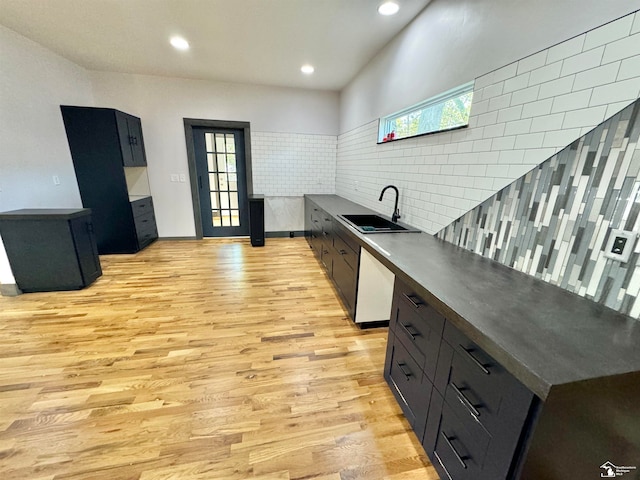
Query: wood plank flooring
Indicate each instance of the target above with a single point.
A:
(199, 360)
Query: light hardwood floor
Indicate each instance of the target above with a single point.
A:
(199, 360)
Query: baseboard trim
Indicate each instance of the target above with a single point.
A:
(376, 324)
(9, 290)
(177, 238)
(284, 234)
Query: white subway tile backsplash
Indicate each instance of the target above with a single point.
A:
(478, 108)
(532, 62)
(571, 101)
(495, 130)
(608, 33)
(560, 138)
(510, 114)
(556, 87)
(596, 76)
(614, 108)
(508, 157)
(621, 49)
(516, 83)
(545, 74)
(629, 68)
(502, 101)
(503, 143)
(584, 117)
(492, 91)
(529, 140)
(487, 119)
(505, 72)
(526, 95)
(566, 49)
(535, 109)
(616, 92)
(482, 145)
(582, 62)
(547, 123)
(636, 24)
(518, 127)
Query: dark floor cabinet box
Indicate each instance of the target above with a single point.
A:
(476, 421)
(50, 249)
(109, 159)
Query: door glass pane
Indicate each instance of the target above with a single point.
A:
(214, 201)
(215, 218)
(235, 218)
(233, 181)
(211, 163)
(222, 166)
(220, 143)
(231, 144)
(213, 182)
(231, 162)
(226, 218)
(234, 199)
(224, 184)
(208, 138)
(224, 200)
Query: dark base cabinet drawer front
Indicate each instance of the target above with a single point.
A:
(345, 279)
(345, 251)
(142, 206)
(420, 330)
(459, 453)
(410, 386)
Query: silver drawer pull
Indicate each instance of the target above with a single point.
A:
(415, 301)
(479, 364)
(465, 401)
(413, 333)
(453, 449)
(403, 368)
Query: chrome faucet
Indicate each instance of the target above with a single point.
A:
(396, 212)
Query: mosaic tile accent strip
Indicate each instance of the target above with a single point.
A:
(554, 222)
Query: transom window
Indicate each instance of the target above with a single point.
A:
(446, 111)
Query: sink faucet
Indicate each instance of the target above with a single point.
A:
(396, 212)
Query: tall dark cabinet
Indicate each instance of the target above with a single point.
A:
(108, 155)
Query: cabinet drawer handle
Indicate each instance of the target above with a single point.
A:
(315, 221)
(465, 401)
(442, 465)
(342, 252)
(413, 333)
(469, 353)
(453, 449)
(416, 303)
(405, 371)
(325, 234)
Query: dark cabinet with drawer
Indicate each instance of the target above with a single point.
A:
(50, 249)
(337, 251)
(466, 409)
(109, 159)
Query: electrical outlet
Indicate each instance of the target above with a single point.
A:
(56, 180)
(183, 178)
(175, 177)
(620, 245)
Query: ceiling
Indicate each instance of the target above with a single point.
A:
(242, 41)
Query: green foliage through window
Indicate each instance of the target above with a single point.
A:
(443, 112)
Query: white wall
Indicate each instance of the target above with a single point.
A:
(522, 114)
(454, 41)
(33, 84)
(162, 103)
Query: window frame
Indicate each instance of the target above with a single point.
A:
(386, 123)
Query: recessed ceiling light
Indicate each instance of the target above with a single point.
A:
(388, 8)
(179, 43)
(307, 69)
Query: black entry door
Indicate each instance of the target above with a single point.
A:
(222, 181)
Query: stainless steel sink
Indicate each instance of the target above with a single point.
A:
(372, 223)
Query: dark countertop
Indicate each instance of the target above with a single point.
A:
(544, 335)
(44, 213)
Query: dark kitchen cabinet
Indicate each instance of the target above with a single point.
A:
(108, 155)
(466, 409)
(338, 253)
(50, 249)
